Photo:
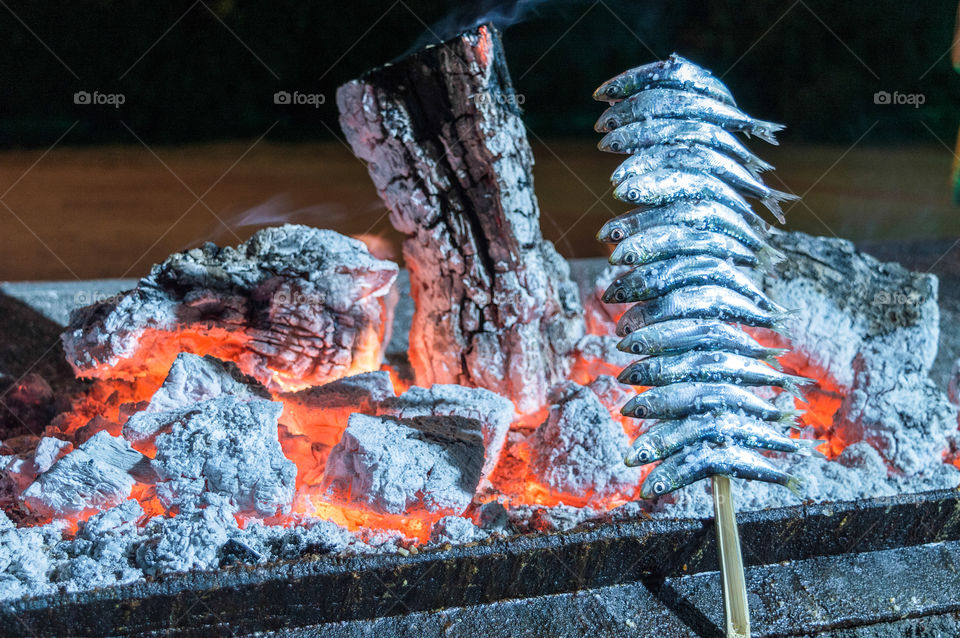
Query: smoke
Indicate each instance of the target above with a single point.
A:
(470, 15)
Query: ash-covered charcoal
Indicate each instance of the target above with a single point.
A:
(448, 153)
(96, 475)
(456, 530)
(191, 380)
(25, 559)
(292, 306)
(558, 518)
(491, 412)
(308, 537)
(873, 328)
(49, 451)
(228, 447)
(193, 539)
(953, 385)
(397, 466)
(579, 449)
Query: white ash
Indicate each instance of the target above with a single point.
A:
(291, 304)
(396, 466)
(25, 559)
(49, 451)
(456, 530)
(953, 385)
(491, 413)
(190, 540)
(557, 518)
(599, 353)
(226, 446)
(579, 449)
(97, 475)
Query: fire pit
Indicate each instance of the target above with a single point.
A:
(228, 451)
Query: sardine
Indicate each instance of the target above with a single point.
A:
(700, 302)
(656, 279)
(680, 400)
(709, 367)
(674, 104)
(663, 186)
(673, 73)
(639, 135)
(701, 214)
(683, 335)
(673, 241)
(667, 437)
(696, 158)
(702, 461)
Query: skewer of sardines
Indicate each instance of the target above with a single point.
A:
(696, 250)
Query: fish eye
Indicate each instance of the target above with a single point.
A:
(641, 411)
(629, 258)
(659, 487)
(635, 349)
(612, 123)
(620, 295)
(616, 234)
(643, 455)
(633, 194)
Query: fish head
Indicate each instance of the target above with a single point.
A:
(615, 293)
(610, 90)
(627, 191)
(613, 232)
(627, 253)
(615, 142)
(612, 118)
(662, 480)
(644, 450)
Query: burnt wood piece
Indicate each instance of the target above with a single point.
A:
(330, 589)
(446, 148)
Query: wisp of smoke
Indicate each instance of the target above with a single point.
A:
(469, 15)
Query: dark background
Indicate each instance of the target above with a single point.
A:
(188, 78)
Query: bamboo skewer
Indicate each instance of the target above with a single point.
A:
(735, 609)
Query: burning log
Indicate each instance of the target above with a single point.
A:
(446, 149)
(293, 306)
(407, 466)
(97, 475)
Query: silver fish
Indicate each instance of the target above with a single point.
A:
(668, 437)
(639, 135)
(683, 335)
(674, 104)
(696, 158)
(660, 187)
(652, 280)
(673, 241)
(701, 214)
(709, 367)
(674, 73)
(700, 302)
(702, 461)
(680, 400)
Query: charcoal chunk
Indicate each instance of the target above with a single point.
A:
(396, 466)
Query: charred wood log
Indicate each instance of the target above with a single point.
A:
(448, 153)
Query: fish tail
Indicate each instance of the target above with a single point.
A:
(757, 165)
(766, 131)
(771, 357)
(768, 256)
(789, 417)
(808, 447)
(794, 390)
(781, 320)
(794, 484)
(773, 205)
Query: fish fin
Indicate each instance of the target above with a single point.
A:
(789, 417)
(771, 358)
(766, 131)
(773, 205)
(794, 484)
(794, 390)
(781, 320)
(808, 447)
(757, 165)
(768, 256)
